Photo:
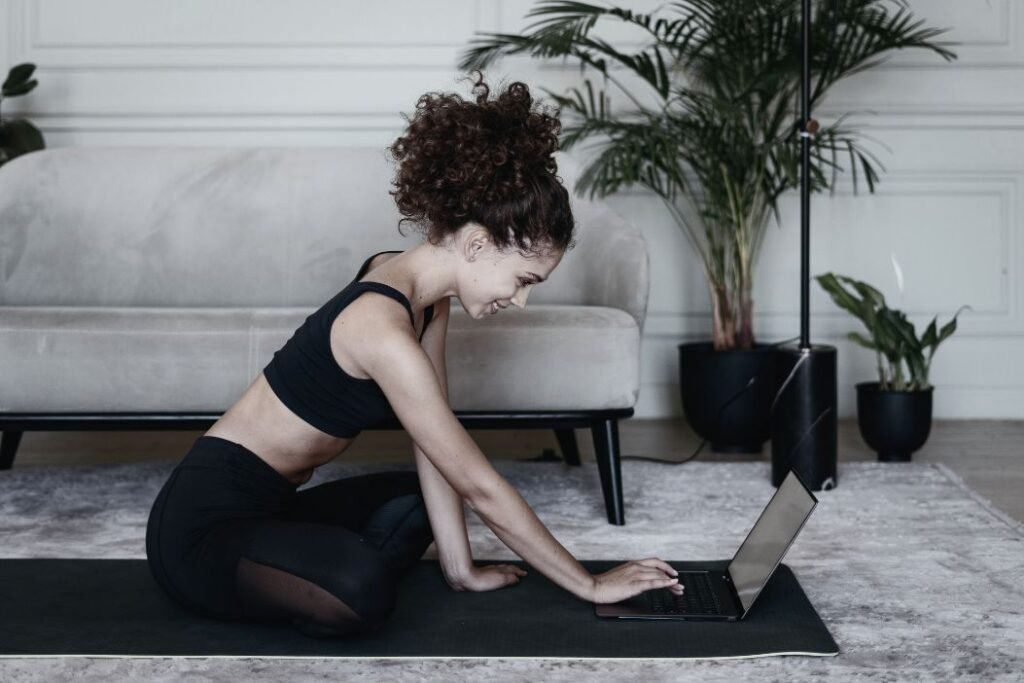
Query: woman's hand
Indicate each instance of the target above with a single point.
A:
(489, 577)
(633, 578)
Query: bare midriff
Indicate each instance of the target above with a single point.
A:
(267, 427)
(264, 425)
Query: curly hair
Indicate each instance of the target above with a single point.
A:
(489, 162)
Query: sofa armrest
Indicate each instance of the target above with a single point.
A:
(618, 265)
(617, 272)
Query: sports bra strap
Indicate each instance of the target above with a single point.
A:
(366, 263)
(387, 290)
(390, 291)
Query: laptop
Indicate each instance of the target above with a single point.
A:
(714, 594)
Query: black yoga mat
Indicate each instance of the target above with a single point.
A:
(113, 607)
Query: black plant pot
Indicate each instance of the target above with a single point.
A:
(893, 423)
(708, 379)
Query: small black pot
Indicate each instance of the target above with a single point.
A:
(893, 423)
(708, 379)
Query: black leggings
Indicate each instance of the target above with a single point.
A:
(230, 538)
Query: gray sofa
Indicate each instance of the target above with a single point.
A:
(145, 288)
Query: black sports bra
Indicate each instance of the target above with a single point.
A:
(307, 379)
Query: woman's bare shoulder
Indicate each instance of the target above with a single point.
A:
(365, 323)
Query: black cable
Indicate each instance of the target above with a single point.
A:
(725, 405)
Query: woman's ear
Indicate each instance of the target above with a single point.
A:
(477, 242)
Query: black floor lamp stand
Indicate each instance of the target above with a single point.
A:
(804, 414)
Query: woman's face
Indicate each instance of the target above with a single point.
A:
(491, 280)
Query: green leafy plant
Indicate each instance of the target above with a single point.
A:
(720, 147)
(18, 136)
(893, 337)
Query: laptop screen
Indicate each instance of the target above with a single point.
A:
(767, 542)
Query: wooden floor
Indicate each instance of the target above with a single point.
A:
(987, 454)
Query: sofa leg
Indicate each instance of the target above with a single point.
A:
(8, 447)
(567, 444)
(606, 450)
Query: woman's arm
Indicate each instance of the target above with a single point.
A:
(444, 505)
(447, 521)
(401, 368)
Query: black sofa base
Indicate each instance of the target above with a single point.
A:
(603, 425)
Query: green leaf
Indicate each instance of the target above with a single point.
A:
(22, 89)
(928, 339)
(902, 328)
(918, 370)
(835, 289)
(859, 339)
(950, 327)
(888, 337)
(18, 75)
(865, 290)
(947, 330)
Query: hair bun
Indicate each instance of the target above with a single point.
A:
(457, 157)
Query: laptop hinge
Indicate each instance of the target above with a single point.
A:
(733, 594)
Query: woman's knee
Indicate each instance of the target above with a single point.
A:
(367, 593)
(408, 510)
(400, 530)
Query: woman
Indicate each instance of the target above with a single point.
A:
(229, 534)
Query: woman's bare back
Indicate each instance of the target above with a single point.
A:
(259, 421)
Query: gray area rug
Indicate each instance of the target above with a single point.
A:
(917, 577)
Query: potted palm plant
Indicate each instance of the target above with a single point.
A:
(894, 413)
(18, 136)
(719, 147)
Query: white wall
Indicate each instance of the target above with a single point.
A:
(323, 72)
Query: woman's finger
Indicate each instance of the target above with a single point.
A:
(660, 564)
(651, 573)
(657, 583)
(512, 568)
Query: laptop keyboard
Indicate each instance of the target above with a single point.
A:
(698, 596)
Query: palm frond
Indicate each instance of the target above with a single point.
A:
(722, 137)
(864, 32)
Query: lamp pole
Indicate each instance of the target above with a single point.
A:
(804, 416)
(808, 127)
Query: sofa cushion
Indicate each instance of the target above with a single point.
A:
(141, 359)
